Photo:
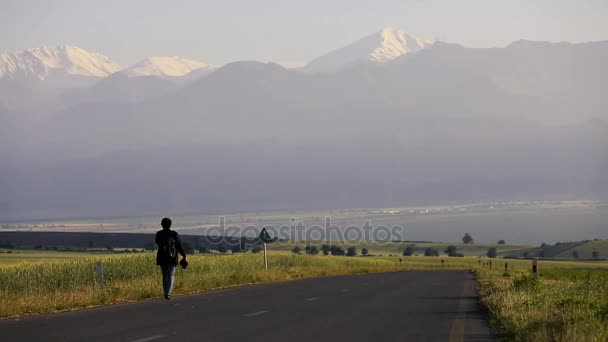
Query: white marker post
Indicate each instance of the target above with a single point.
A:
(265, 258)
(100, 274)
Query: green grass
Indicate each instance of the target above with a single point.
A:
(568, 301)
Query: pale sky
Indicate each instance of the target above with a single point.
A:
(288, 32)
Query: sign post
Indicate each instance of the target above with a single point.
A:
(265, 238)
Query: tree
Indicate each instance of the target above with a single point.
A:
(364, 252)
(314, 250)
(336, 250)
(431, 252)
(150, 246)
(296, 250)
(451, 251)
(501, 242)
(326, 249)
(352, 251)
(408, 251)
(222, 248)
(575, 254)
(595, 254)
(491, 252)
(188, 247)
(467, 238)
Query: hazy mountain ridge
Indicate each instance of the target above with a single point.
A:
(446, 123)
(349, 172)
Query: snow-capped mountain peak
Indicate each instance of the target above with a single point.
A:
(382, 46)
(164, 67)
(62, 61)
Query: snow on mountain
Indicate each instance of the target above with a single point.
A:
(379, 47)
(164, 67)
(61, 62)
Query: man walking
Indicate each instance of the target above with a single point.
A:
(169, 245)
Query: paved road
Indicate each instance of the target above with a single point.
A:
(402, 306)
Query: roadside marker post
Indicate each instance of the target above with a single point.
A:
(534, 267)
(265, 258)
(442, 263)
(100, 273)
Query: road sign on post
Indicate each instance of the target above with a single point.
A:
(265, 238)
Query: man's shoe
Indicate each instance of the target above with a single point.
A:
(168, 297)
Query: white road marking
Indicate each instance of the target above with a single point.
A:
(311, 299)
(345, 290)
(151, 338)
(256, 313)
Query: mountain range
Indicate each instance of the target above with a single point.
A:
(389, 119)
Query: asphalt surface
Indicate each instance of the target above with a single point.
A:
(400, 306)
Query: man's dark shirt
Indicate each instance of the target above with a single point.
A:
(163, 258)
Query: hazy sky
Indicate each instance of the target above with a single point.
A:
(289, 32)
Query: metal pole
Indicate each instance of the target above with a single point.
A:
(265, 257)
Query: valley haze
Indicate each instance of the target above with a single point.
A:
(390, 120)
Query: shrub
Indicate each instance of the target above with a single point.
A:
(222, 248)
(451, 251)
(408, 251)
(337, 250)
(365, 252)
(256, 249)
(431, 252)
(326, 249)
(491, 252)
(501, 242)
(313, 250)
(296, 250)
(352, 251)
(527, 283)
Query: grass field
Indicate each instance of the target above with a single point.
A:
(567, 302)
(20, 256)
